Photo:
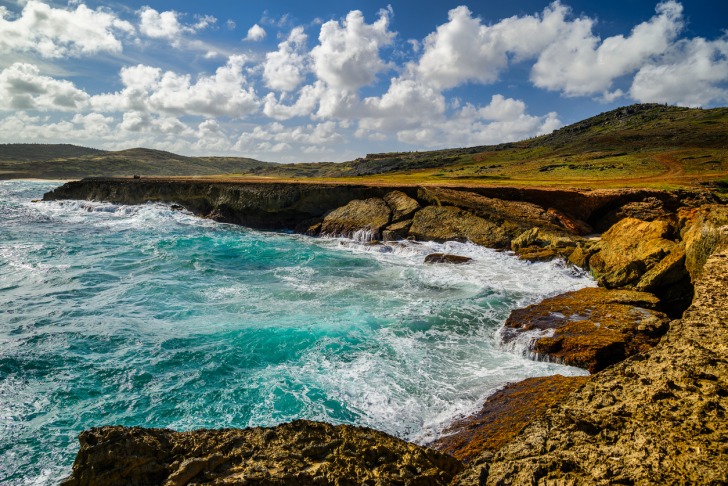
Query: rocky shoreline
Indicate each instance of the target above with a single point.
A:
(654, 253)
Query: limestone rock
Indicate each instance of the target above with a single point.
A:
(300, 452)
(591, 328)
(667, 271)
(629, 249)
(369, 215)
(524, 215)
(703, 230)
(402, 206)
(448, 223)
(656, 418)
(649, 209)
(504, 414)
(536, 245)
(446, 258)
(397, 231)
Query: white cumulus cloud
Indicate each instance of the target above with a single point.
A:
(285, 68)
(347, 56)
(579, 63)
(22, 87)
(255, 33)
(166, 25)
(694, 73)
(57, 32)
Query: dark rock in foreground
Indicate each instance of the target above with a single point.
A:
(446, 258)
(298, 453)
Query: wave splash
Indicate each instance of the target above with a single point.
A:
(143, 315)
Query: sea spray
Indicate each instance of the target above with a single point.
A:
(143, 315)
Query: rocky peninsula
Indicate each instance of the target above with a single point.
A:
(654, 335)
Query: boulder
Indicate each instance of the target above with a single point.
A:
(536, 245)
(368, 215)
(301, 452)
(446, 258)
(629, 249)
(402, 206)
(590, 328)
(521, 214)
(448, 223)
(397, 231)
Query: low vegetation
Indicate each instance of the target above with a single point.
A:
(647, 145)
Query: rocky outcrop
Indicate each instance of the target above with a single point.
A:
(369, 216)
(402, 206)
(301, 452)
(591, 328)
(503, 415)
(450, 223)
(658, 417)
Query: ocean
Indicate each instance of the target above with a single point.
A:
(147, 316)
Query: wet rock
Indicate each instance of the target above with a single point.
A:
(446, 258)
(590, 328)
(402, 206)
(538, 245)
(369, 215)
(448, 223)
(504, 414)
(630, 249)
(301, 452)
(397, 231)
(656, 418)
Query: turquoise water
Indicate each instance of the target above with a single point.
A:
(141, 315)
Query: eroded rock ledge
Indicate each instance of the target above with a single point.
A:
(652, 412)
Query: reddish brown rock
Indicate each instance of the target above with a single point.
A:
(504, 414)
(591, 328)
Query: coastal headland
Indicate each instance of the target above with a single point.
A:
(654, 335)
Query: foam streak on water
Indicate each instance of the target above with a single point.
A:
(141, 315)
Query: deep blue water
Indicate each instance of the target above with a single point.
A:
(141, 315)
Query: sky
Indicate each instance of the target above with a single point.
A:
(333, 80)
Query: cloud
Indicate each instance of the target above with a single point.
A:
(277, 138)
(284, 69)
(578, 63)
(148, 89)
(465, 50)
(255, 33)
(22, 87)
(166, 25)
(347, 56)
(694, 73)
(56, 33)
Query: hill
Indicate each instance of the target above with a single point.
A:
(639, 145)
(645, 144)
(72, 162)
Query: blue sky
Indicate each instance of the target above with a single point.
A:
(333, 80)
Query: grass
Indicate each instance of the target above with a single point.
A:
(646, 145)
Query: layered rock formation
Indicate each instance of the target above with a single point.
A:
(658, 417)
(298, 453)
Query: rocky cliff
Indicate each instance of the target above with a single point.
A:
(653, 411)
